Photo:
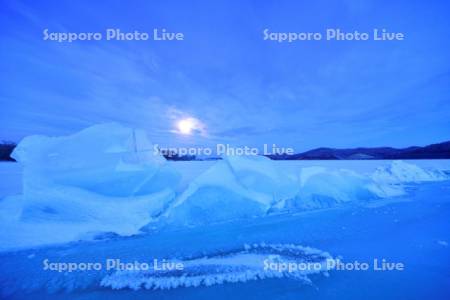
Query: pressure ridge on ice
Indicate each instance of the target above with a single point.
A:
(108, 179)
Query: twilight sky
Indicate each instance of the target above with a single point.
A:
(242, 89)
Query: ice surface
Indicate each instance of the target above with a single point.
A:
(409, 230)
(252, 262)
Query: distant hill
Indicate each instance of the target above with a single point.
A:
(6, 149)
(434, 151)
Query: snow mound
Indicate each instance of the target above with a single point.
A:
(235, 187)
(252, 262)
(106, 178)
(402, 172)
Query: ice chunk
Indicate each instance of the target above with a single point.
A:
(106, 178)
(260, 174)
(322, 187)
(400, 171)
(67, 214)
(235, 187)
(243, 187)
(108, 159)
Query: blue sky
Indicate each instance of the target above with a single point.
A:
(244, 90)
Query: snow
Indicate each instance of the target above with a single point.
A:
(253, 262)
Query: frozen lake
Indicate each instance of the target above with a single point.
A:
(413, 229)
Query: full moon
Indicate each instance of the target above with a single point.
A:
(185, 126)
(190, 126)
